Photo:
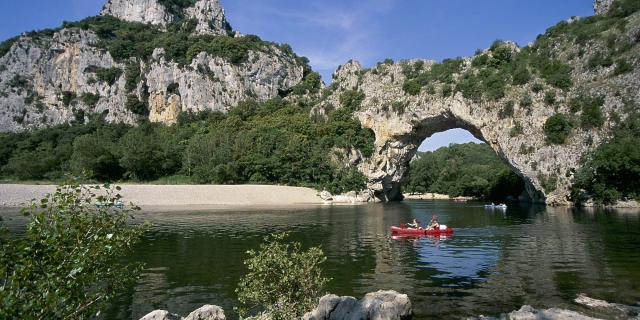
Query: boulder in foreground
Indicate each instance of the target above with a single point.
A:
(206, 312)
(379, 305)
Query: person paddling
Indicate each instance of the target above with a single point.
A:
(414, 224)
(434, 224)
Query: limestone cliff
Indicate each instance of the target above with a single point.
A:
(81, 70)
(505, 96)
(208, 14)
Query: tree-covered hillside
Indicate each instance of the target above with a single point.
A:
(463, 170)
(274, 142)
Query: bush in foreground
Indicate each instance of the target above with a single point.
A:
(68, 263)
(283, 281)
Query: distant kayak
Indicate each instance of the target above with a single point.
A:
(443, 230)
(495, 206)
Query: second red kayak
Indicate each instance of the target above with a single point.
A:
(421, 231)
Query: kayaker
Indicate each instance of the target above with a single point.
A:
(434, 224)
(414, 224)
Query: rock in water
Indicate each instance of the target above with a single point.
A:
(161, 315)
(381, 305)
(386, 305)
(207, 312)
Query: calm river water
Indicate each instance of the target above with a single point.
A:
(495, 262)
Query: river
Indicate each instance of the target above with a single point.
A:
(495, 262)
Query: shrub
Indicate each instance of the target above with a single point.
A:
(283, 280)
(471, 87)
(537, 87)
(108, 75)
(506, 111)
(132, 76)
(521, 75)
(599, 60)
(622, 66)
(612, 171)
(557, 128)
(550, 97)
(90, 99)
(526, 102)
(136, 106)
(556, 73)
(447, 90)
(351, 100)
(67, 97)
(549, 182)
(412, 87)
(70, 262)
(398, 107)
(591, 116)
(173, 88)
(6, 45)
(516, 130)
(591, 108)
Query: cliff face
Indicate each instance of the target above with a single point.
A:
(67, 75)
(208, 14)
(505, 96)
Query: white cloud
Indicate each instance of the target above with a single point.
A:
(348, 28)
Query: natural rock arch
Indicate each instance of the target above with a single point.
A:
(395, 149)
(402, 121)
(403, 109)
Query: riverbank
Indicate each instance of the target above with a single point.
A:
(18, 195)
(434, 196)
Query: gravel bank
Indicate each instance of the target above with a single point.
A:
(16, 195)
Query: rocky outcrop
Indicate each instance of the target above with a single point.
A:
(49, 79)
(602, 309)
(381, 305)
(206, 312)
(402, 120)
(530, 313)
(602, 6)
(208, 14)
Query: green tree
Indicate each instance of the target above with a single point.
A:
(283, 280)
(96, 155)
(68, 264)
(557, 128)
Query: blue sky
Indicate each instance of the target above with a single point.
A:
(330, 32)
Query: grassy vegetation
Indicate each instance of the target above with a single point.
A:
(464, 170)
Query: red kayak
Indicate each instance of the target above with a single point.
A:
(420, 231)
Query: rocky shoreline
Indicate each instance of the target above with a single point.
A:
(391, 305)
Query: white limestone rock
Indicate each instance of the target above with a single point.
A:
(208, 14)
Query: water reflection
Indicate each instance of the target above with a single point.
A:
(495, 261)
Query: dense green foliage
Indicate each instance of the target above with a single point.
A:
(283, 281)
(463, 170)
(108, 75)
(612, 172)
(68, 264)
(557, 128)
(6, 45)
(125, 40)
(270, 142)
